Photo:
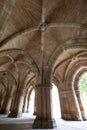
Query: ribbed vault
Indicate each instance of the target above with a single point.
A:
(43, 41)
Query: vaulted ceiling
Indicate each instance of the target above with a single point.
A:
(23, 44)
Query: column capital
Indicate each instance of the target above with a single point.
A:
(43, 85)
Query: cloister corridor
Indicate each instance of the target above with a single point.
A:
(25, 122)
(43, 57)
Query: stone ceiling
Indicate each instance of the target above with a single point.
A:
(22, 42)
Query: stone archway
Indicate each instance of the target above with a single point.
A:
(79, 73)
(9, 83)
(19, 64)
(69, 55)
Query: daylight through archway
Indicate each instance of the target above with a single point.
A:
(83, 90)
(31, 102)
(55, 102)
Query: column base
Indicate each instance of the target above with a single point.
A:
(44, 124)
(84, 118)
(2, 111)
(34, 113)
(15, 115)
(71, 119)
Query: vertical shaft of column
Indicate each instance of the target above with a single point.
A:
(1, 99)
(6, 104)
(25, 104)
(69, 105)
(17, 105)
(43, 111)
(35, 102)
(80, 104)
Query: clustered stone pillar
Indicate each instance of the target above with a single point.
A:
(69, 105)
(43, 112)
(25, 103)
(35, 102)
(1, 99)
(80, 105)
(6, 104)
(17, 105)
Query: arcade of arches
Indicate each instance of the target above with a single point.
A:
(42, 42)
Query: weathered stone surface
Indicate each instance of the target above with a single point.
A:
(31, 57)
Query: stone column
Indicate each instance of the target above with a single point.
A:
(25, 103)
(80, 105)
(17, 105)
(69, 105)
(35, 102)
(1, 99)
(43, 114)
(6, 105)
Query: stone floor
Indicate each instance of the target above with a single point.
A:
(25, 123)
